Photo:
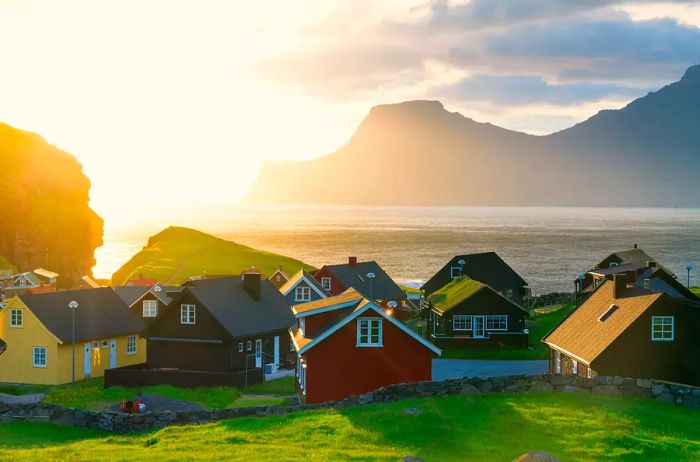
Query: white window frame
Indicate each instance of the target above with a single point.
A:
(452, 272)
(461, 322)
(188, 314)
(492, 318)
(249, 345)
(374, 328)
(16, 313)
(45, 350)
(291, 345)
(150, 308)
(240, 347)
(589, 373)
(557, 362)
(574, 366)
(302, 325)
(131, 345)
(662, 322)
(302, 294)
(326, 283)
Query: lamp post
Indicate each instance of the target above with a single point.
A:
(689, 267)
(461, 264)
(73, 305)
(371, 285)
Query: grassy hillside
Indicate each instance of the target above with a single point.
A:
(5, 264)
(175, 254)
(495, 427)
(696, 290)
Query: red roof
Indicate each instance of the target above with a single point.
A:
(142, 282)
(47, 289)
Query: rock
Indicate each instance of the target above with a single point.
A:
(536, 456)
(574, 389)
(666, 398)
(541, 387)
(412, 411)
(485, 386)
(561, 380)
(617, 380)
(468, 389)
(606, 390)
(644, 383)
(658, 389)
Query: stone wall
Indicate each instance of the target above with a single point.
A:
(547, 383)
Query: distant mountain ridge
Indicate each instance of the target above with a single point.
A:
(417, 153)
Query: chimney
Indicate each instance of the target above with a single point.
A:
(352, 261)
(635, 245)
(619, 284)
(647, 284)
(651, 264)
(252, 283)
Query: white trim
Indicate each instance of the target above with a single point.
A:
(135, 338)
(151, 311)
(240, 347)
(369, 343)
(330, 283)
(357, 313)
(452, 269)
(309, 283)
(467, 320)
(571, 355)
(302, 293)
(495, 316)
(187, 321)
(46, 357)
(21, 318)
(325, 309)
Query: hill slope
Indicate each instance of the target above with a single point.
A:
(174, 254)
(417, 153)
(5, 264)
(46, 221)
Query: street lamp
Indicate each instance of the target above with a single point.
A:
(579, 284)
(689, 267)
(461, 264)
(73, 305)
(371, 285)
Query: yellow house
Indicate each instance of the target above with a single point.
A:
(38, 331)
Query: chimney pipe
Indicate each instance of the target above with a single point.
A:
(619, 284)
(352, 261)
(252, 283)
(651, 264)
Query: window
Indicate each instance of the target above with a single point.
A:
(131, 345)
(302, 294)
(150, 308)
(509, 293)
(589, 373)
(105, 343)
(240, 347)
(291, 345)
(39, 356)
(15, 318)
(574, 367)
(461, 322)
(187, 314)
(455, 272)
(369, 332)
(613, 264)
(95, 345)
(302, 325)
(249, 345)
(498, 322)
(662, 328)
(557, 362)
(326, 283)
(22, 282)
(608, 313)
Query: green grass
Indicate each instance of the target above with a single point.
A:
(91, 395)
(175, 254)
(16, 390)
(454, 293)
(245, 401)
(409, 290)
(281, 386)
(695, 290)
(6, 265)
(496, 427)
(539, 325)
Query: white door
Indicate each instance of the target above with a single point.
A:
(479, 327)
(87, 359)
(277, 350)
(258, 353)
(112, 354)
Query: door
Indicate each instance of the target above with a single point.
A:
(112, 354)
(277, 350)
(479, 326)
(258, 353)
(87, 360)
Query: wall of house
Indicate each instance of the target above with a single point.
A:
(338, 368)
(337, 287)
(291, 296)
(318, 320)
(137, 308)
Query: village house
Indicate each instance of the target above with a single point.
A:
(3, 346)
(226, 324)
(302, 288)
(469, 314)
(30, 282)
(487, 268)
(369, 279)
(38, 333)
(279, 277)
(147, 303)
(347, 345)
(625, 330)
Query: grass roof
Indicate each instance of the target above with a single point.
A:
(455, 292)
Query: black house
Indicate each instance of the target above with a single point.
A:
(225, 324)
(487, 268)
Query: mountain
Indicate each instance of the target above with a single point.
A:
(417, 153)
(175, 254)
(45, 219)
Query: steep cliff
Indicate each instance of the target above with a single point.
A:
(45, 220)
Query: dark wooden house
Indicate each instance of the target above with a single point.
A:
(469, 314)
(624, 330)
(487, 268)
(145, 302)
(225, 324)
(279, 277)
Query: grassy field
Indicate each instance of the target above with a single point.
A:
(175, 254)
(495, 427)
(696, 290)
(539, 325)
(281, 386)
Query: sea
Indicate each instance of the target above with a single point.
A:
(548, 246)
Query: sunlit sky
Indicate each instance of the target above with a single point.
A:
(179, 102)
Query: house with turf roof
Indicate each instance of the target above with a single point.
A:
(279, 277)
(348, 345)
(488, 268)
(302, 288)
(469, 314)
(38, 334)
(625, 330)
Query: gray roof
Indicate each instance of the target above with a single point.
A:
(355, 276)
(636, 256)
(294, 280)
(101, 314)
(239, 313)
(623, 268)
(130, 294)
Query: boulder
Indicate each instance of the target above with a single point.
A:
(541, 386)
(468, 389)
(536, 456)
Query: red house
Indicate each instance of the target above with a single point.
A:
(348, 345)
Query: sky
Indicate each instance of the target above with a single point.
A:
(176, 103)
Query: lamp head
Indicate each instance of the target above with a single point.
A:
(73, 305)
(689, 267)
(370, 275)
(461, 262)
